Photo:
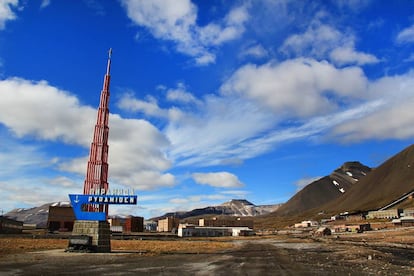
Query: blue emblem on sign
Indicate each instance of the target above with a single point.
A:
(79, 200)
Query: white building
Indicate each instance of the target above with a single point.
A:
(188, 230)
(306, 223)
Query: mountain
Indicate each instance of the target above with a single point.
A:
(386, 183)
(234, 207)
(35, 215)
(325, 189)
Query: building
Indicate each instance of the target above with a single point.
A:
(409, 212)
(60, 218)
(168, 224)
(384, 214)
(10, 226)
(150, 226)
(190, 230)
(404, 221)
(116, 224)
(134, 224)
(229, 222)
(306, 223)
(351, 228)
(126, 224)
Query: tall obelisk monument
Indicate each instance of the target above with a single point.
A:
(96, 181)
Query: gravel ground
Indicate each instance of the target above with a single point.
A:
(366, 254)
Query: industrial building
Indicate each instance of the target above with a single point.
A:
(10, 226)
(362, 227)
(126, 224)
(384, 214)
(409, 212)
(306, 223)
(134, 224)
(407, 221)
(61, 218)
(186, 230)
(228, 222)
(214, 227)
(168, 224)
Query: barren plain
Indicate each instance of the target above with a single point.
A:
(386, 252)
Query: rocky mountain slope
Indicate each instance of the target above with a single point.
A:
(325, 189)
(386, 183)
(35, 215)
(235, 207)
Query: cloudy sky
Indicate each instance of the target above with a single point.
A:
(210, 100)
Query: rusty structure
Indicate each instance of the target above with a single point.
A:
(96, 181)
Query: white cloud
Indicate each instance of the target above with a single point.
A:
(177, 21)
(180, 94)
(325, 42)
(348, 55)
(35, 108)
(15, 158)
(395, 116)
(406, 35)
(297, 88)
(30, 190)
(6, 11)
(209, 133)
(63, 181)
(218, 179)
(135, 146)
(316, 41)
(261, 107)
(150, 106)
(256, 51)
(212, 134)
(307, 129)
(215, 34)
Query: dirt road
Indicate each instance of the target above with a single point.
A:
(248, 257)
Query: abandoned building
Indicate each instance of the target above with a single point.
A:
(189, 230)
(168, 224)
(229, 222)
(10, 226)
(61, 218)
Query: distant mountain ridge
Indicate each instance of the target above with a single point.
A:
(325, 189)
(234, 207)
(35, 215)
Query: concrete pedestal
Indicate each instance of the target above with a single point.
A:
(99, 231)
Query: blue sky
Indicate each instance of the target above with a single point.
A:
(210, 100)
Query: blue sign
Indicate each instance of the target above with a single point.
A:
(79, 200)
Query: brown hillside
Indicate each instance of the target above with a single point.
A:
(313, 195)
(383, 185)
(324, 190)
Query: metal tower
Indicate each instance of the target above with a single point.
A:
(96, 181)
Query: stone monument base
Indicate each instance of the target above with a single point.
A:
(98, 231)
